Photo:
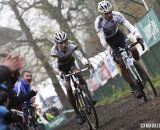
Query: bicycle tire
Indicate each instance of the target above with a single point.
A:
(146, 79)
(137, 81)
(90, 111)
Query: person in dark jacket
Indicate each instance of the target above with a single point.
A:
(9, 74)
(6, 115)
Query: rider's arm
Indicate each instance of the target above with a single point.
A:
(100, 32)
(81, 57)
(131, 28)
(102, 38)
(55, 66)
(55, 61)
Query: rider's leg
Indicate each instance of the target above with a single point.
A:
(118, 40)
(72, 100)
(81, 79)
(124, 71)
(128, 78)
(135, 53)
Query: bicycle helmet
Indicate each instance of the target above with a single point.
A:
(60, 37)
(104, 7)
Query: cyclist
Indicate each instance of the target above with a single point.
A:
(64, 61)
(106, 26)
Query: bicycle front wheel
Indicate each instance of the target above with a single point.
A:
(90, 111)
(149, 88)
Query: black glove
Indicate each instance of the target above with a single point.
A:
(62, 75)
(32, 93)
(140, 40)
(89, 66)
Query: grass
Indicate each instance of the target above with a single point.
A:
(123, 93)
(156, 81)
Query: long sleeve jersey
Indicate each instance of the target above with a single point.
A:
(62, 58)
(106, 29)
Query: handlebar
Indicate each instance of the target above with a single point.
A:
(140, 42)
(19, 113)
(132, 45)
(76, 72)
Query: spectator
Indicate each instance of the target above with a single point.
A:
(6, 116)
(9, 74)
(22, 88)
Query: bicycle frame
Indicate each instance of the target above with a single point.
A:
(73, 77)
(129, 63)
(75, 80)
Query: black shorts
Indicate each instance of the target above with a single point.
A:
(117, 40)
(68, 67)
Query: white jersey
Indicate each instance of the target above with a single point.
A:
(62, 58)
(106, 29)
(109, 28)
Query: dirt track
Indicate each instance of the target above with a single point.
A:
(125, 114)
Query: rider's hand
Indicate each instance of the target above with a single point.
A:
(62, 75)
(57, 72)
(108, 48)
(89, 66)
(140, 40)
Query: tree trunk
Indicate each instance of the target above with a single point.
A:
(55, 13)
(40, 56)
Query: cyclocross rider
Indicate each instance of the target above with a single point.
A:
(63, 62)
(111, 37)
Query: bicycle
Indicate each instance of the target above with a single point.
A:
(136, 71)
(83, 100)
(17, 125)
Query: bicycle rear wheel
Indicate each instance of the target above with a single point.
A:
(149, 88)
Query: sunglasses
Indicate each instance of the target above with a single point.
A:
(106, 14)
(63, 42)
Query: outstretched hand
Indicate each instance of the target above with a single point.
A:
(13, 62)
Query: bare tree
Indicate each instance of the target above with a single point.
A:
(38, 53)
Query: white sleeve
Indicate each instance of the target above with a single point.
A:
(55, 65)
(81, 57)
(130, 27)
(102, 38)
(100, 31)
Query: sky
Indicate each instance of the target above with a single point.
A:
(7, 19)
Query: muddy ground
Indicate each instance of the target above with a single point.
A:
(125, 114)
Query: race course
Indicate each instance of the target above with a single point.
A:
(127, 113)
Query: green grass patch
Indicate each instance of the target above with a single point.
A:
(120, 93)
(156, 81)
(116, 95)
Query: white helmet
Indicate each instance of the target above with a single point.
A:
(104, 6)
(60, 37)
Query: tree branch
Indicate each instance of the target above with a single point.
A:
(36, 40)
